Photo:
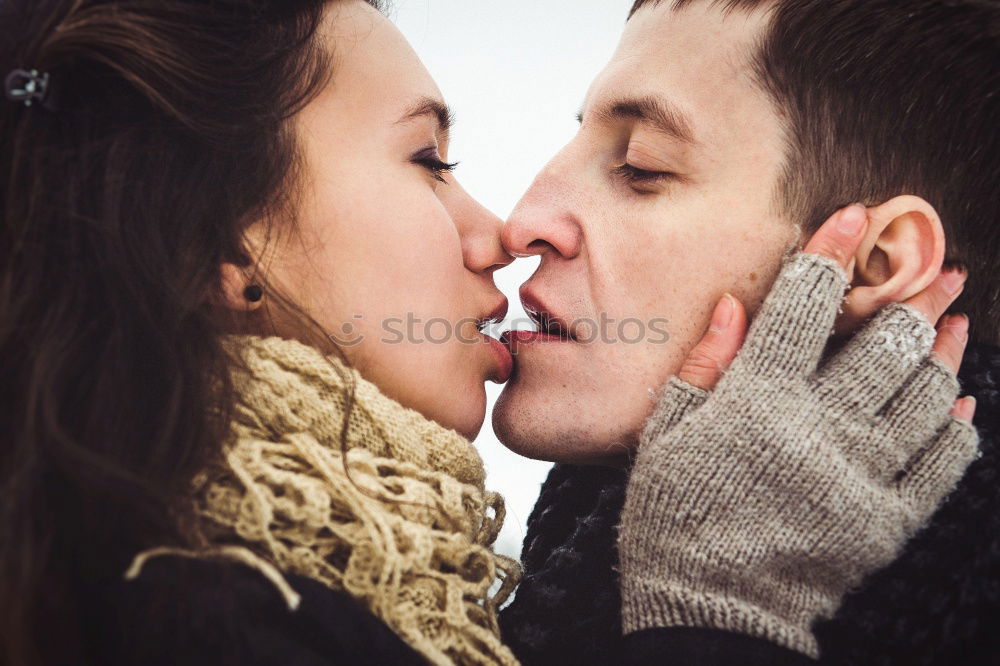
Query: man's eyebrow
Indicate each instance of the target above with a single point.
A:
(429, 106)
(659, 113)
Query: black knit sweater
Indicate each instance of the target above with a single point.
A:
(937, 604)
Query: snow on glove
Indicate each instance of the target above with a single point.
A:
(755, 508)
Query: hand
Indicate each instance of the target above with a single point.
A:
(754, 508)
(711, 357)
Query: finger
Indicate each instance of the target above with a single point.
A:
(914, 416)
(675, 400)
(965, 409)
(934, 472)
(840, 235)
(711, 357)
(878, 360)
(952, 338)
(939, 294)
(793, 325)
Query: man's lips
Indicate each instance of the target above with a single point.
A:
(550, 325)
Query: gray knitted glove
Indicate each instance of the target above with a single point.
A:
(753, 509)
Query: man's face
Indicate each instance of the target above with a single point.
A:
(638, 253)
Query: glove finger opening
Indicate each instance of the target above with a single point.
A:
(874, 365)
(793, 325)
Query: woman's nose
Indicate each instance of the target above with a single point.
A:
(479, 230)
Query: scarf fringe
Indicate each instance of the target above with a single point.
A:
(401, 522)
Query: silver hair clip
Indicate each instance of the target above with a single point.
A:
(26, 86)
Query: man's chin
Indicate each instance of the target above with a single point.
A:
(544, 425)
(514, 427)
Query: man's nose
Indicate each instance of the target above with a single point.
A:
(545, 220)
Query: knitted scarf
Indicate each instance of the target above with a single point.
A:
(402, 522)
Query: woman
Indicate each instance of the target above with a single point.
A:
(188, 161)
(217, 218)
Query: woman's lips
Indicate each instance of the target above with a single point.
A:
(505, 362)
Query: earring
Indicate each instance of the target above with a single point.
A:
(253, 293)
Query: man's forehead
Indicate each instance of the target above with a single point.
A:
(692, 61)
(701, 38)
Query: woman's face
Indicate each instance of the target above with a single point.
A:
(388, 253)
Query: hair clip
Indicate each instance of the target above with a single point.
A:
(26, 86)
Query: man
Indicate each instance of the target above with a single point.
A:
(719, 134)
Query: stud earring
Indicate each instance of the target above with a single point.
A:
(253, 293)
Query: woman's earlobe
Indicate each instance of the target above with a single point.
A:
(237, 291)
(901, 255)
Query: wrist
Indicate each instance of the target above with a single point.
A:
(652, 603)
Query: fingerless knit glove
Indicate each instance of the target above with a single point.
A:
(755, 508)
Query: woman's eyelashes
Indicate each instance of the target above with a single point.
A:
(432, 162)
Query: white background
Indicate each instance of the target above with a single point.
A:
(515, 72)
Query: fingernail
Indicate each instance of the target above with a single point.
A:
(970, 406)
(852, 220)
(953, 280)
(957, 325)
(723, 315)
(963, 324)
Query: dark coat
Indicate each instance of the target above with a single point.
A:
(185, 612)
(182, 612)
(937, 604)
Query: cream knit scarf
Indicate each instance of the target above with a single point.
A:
(407, 532)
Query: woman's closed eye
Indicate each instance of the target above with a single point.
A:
(432, 162)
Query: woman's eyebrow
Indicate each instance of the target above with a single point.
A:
(429, 106)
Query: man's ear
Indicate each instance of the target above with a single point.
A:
(901, 254)
(232, 294)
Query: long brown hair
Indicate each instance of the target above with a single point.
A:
(164, 132)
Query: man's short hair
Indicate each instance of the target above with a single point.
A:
(888, 97)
